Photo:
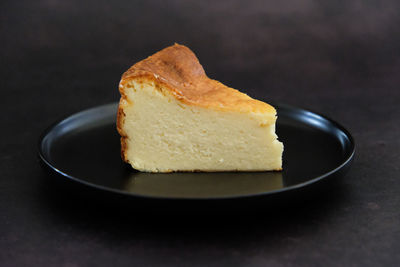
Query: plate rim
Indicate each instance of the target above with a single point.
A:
(347, 161)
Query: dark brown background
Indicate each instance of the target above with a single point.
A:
(340, 58)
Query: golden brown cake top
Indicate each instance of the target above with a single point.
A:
(179, 70)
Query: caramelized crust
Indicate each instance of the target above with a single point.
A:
(179, 70)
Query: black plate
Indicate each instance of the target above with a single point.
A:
(85, 148)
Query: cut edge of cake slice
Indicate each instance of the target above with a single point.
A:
(172, 117)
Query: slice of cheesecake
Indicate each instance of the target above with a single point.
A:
(172, 117)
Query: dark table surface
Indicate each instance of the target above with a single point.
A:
(339, 58)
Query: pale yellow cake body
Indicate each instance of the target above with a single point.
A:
(166, 129)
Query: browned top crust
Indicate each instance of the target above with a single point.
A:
(179, 70)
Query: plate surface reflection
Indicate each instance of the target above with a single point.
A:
(203, 185)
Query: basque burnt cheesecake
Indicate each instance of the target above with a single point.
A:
(172, 117)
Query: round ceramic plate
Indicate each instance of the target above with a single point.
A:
(85, 148)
